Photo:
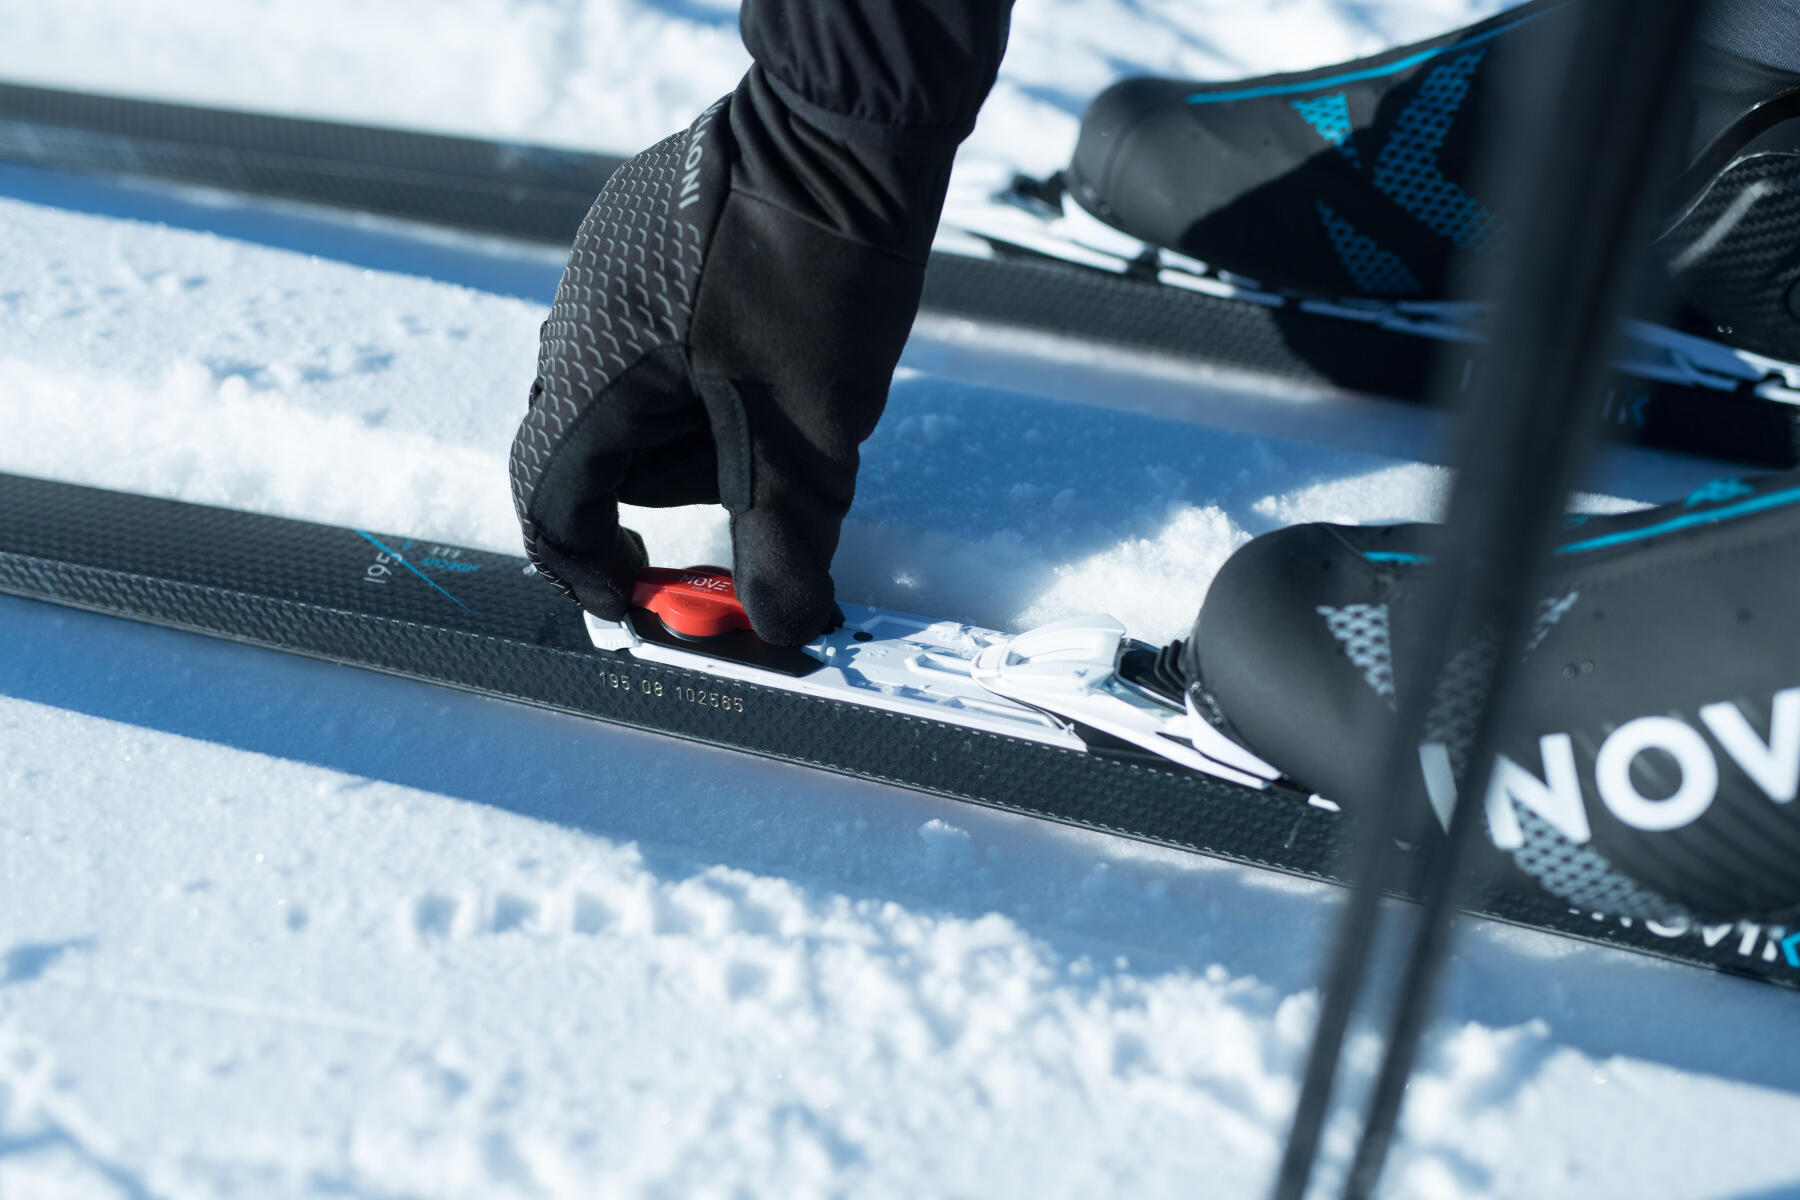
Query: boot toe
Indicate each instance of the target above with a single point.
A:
(1106, 128)
(1304, 603)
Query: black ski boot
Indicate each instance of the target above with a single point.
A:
(1360, 179)
(1732, 243)
(1349, 180)
(1654, 768)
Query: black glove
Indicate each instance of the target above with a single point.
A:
(727, 329)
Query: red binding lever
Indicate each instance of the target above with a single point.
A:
(693, 602)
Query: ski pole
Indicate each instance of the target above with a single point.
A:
(1520, 444)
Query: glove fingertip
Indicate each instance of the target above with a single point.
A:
(630, 555)
(628, 558)
(787, 612)
(783, 570)
(601, 587)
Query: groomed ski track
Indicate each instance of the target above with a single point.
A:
(982, 269)
(489, 950)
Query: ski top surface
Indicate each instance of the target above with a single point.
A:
(900, 706)
(1025, 258)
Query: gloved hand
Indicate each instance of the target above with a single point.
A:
(725, 332)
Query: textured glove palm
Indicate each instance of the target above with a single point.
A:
(725, 332)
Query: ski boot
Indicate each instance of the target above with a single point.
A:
(1360, 180)
(1654, 768)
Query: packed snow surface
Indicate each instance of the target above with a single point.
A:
(273, 928)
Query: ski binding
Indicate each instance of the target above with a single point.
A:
(1081, 668)
(1040, 218)
(1068, 684)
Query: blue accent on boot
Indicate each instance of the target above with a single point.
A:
(1330, 118)
(1407, 168)
(1762, 503)
(1717, 491)
(1376, 272)
(1393, 68)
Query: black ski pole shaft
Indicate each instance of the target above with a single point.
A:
(1344, 971)
(1580, 253)
(1520, 444)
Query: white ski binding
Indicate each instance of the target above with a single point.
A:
(1073, 668)
(1060, 685)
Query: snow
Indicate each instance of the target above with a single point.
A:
(273, 928)
(618, 76)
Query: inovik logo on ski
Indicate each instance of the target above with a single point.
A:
(1554, 792)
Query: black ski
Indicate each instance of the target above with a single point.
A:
(541, 193)
(477, 621)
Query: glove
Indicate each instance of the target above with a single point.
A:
(725, 332)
